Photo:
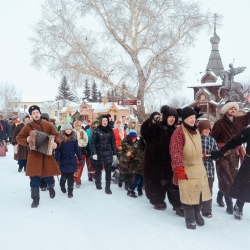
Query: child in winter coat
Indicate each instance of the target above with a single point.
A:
(208, 145)
(125, 156)
(138, 154)
(82, 139)
(66, 158)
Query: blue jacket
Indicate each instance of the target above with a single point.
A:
(66, 153)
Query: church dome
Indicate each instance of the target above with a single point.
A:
(215, 39)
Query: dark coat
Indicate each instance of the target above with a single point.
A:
(67, 152)
(22, 150)
(240, 188)
(103, 144)
(39, 164)
(157, 169)
(227, 166)
(12, 127)
(4, 130)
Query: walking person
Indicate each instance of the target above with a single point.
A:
(82, 139)
(12, 126)
(104, 152)
(240, 188)
(66, 158)
(189, 172)
(22, 151)
(4, 130)
(39, 165)
(89, 159)
(157, 169)
(223, 131)
(208, 145)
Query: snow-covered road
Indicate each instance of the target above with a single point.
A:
(95, 220)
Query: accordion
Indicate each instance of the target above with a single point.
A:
(41, 142)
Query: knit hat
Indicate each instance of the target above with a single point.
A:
(34, 107)
(186, 112)
(132, 134)
(95, 122)
(67, 125)
(228, 105)
(89, 120)
(204, 124)
(45, 116)
(77, 124)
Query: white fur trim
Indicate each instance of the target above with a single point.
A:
(229, 105)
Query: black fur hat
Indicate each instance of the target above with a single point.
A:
(34, 107)
(168, 111)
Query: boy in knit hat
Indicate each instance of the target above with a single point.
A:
(208, 145)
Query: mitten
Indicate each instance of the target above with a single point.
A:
(82, 163)
(180, 173)
(95, 157)
(215, 155)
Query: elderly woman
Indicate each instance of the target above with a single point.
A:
(104, 152)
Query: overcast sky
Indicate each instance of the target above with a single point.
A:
(18, 16)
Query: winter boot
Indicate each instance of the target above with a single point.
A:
(160, 206)
(70, 185)
(98, 178)
(52, 192)
(179, 212)
(43, 188)
(237, 213)
(189, 215)
(230, 209)
(198, 218)
(35, 196)
(70, 192)
(20, 169)
(90, 179)
(131, 193)
(78, 184)
(107, 188)
(139, 190)
(219, 199)
(62, 183)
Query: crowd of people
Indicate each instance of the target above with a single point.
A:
(173, 155)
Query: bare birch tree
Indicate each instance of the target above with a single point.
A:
(142, 43)
(8, 96)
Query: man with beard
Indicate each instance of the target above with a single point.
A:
(22, 153)
(223, 131)
(39, 165)
(157, 170)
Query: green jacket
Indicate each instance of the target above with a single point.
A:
(130, 156)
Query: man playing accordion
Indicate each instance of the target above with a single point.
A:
(39, 165)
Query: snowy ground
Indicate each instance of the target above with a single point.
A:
(94, 220)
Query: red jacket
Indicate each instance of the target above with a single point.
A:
(118, 139)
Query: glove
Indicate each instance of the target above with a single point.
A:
(156, 119)
(95, 157)
(114, 157)
(215, 155)
(82, 163)
(180, 173)
(58, 163)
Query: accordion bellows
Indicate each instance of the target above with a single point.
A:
(41, 142)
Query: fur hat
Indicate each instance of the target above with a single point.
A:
(77, 124)
(34, 107)
(186, 112)
(168, 111)
(132, 134)
(204, 124)
(229, 105)
(67, 125)
(45, 116)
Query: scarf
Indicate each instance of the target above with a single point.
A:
(192, 128)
